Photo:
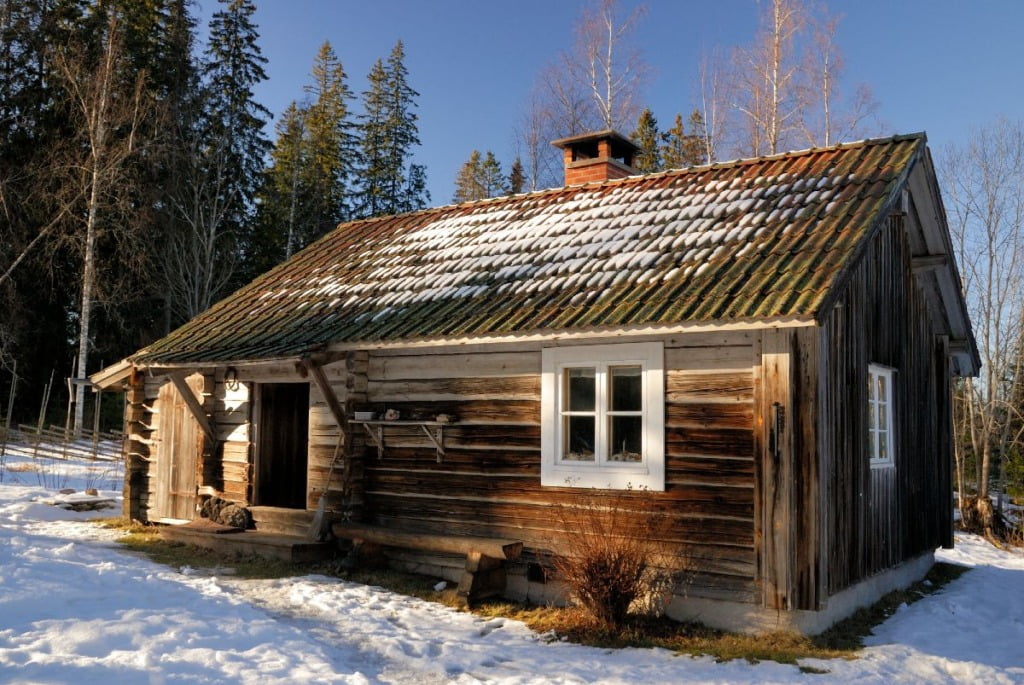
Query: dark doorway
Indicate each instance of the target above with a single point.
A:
(282, 445)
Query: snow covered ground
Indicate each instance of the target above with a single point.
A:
(74, 608)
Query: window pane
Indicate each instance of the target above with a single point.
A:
(871, 387)
(871, 416)
(579, 438)
(882, 394)
(579, 389)
(627, 388)
(626, 438)
(883, 446)
(883, 414)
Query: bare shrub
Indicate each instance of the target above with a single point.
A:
(614, 556)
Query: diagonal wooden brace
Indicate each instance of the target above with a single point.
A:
(194, 406)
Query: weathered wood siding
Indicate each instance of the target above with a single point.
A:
(787, 494)
(876, 518)
(488, 483)
(162, 438)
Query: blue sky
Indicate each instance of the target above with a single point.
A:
(935, 65)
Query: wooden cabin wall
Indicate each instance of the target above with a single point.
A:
(788, 486)
(156, 433)
(138, 447)
(234, 406)
(347, 378)
(230, 473)
(488, 483)
(876, 518)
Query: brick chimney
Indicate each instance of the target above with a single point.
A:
(599, 156)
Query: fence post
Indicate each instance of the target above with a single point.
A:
(97, 395)
(7, 420)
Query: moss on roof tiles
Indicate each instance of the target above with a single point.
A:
(763, 237)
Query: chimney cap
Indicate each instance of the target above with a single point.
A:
(622, 146)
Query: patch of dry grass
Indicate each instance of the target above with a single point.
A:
(573, 624)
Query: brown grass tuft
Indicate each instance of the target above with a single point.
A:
(612, 558)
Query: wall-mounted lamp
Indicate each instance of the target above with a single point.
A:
(231, 378)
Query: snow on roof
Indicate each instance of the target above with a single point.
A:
(749, 239)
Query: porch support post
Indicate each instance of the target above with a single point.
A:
(317, 372)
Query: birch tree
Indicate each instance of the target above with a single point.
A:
(610, 63)
(984, 192)
(830, 118)
(715, 100)
(768, 80)
(106, 115)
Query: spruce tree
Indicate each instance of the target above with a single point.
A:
(221, 146)
(682, 148)
(284, 199)
(391, 183)
(696, 150)
(516, 178)
(646, 136)
(330, 165)
(491, 177)
(480, 177)
(234, 120)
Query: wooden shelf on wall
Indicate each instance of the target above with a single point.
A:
(434, 430)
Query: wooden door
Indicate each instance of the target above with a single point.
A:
(282, 445)
(180, 442)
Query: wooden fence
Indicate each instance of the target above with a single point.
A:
(55, 442)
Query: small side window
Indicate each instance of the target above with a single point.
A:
(880, 415)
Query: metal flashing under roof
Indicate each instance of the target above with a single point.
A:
(738, 241)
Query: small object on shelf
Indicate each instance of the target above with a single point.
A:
(444, 418)
(391, 415)
(365, 415)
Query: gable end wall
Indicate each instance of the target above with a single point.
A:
(875, 519)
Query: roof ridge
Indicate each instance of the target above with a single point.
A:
(725, 164)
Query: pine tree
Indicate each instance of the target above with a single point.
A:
(389, 132)
(680, 148)
(467, 183)
(646, 136)
(516, 178)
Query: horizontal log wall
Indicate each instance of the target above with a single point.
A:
(230, 472)
(488, 483)
(147, 495)
(877, 518)
(347, 378)
(138, 446)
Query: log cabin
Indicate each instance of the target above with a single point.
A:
(760, 349)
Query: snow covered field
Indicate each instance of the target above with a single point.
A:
(76, 609)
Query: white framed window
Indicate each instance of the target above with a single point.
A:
(880, 413)
(603, 416)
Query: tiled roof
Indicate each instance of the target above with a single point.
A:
(750, 239)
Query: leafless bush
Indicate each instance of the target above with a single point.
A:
(614, 557)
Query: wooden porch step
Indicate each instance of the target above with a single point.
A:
(282, 520)
(291, 548)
